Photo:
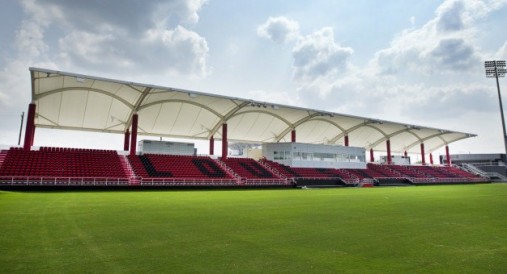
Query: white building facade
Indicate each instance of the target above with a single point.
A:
(315, 155)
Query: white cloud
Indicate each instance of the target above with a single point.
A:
(130, 16)
(317, 55)
(176, 51)
(454, 54)
(185, 49)
(32, 50)
(103, 35)
(279, 29)
(30, 39)
(446, 42)
(455, 14)
(450, 16)
(450, 101)
(502, 52)
(404, 80)
(96, 49)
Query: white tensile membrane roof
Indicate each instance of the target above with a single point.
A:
(79, 102)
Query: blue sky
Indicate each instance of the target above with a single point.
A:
(417, 62)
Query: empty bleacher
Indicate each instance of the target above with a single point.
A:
(248, 168)
(407, 171)
(314, 176)
(282, 169)
(386, 176)
(436, 174)
(3, 154)
(50, 165)
(383, 171)
(164, 169)
(252, 172)
(382, 174)
(63, 165)
(459, 172)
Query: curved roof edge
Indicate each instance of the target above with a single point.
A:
(80, 102)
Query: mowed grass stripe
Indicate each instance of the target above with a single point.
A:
(459, 228)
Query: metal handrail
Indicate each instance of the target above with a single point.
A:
(61, 180)
(185, 181)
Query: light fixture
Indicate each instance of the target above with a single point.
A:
(495, 69)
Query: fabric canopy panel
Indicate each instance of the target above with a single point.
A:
(80, 102)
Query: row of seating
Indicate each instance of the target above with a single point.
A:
(62, 163)
(459, 172)
(176, 166)
(432, 172)
(249, 168)
(67, 162)
(83, 150)
(375, 171)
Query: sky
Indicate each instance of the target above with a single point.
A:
(414, 62)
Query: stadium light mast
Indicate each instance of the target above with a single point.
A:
(495, 69)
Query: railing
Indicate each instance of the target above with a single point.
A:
(108, 181)
(3, 155)
(387, 167)
(472, 169)
(273, 170)
(185, 182)
(494, 175)
(489, 163)
(252, 181)
(367, 181)
(397, 178)
(63, 181)
(228, 170)
(350, 181)
(446, 180)
(104, 181)
(353, 178)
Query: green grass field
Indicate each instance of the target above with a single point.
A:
(437, 229)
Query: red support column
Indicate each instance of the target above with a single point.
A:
(405, 153)
(30, 127)
(346, 140)
(32, 139)
(388, 146)
(293, 136)
(372, 159)
(423, 158)
(225, 145)
(126, 140)
(133, 142)
(431, 158)
(211, 145)
(447, 156)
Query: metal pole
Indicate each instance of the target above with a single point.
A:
(501, 110)
(21, 127)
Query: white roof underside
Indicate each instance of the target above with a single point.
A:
(80, 102)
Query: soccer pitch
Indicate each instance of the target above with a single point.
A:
(443, 229)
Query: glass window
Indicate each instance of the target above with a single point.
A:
(297, 155)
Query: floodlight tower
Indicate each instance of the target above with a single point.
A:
(497, 69)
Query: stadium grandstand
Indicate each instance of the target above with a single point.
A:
(297, 146)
